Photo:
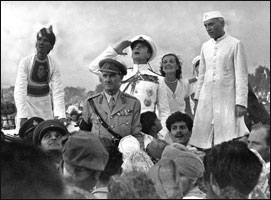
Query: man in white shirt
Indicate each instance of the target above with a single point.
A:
(38, 74)
(222, 87)
(140, 80)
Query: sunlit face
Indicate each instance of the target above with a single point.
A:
(180, 133)
(43, 45)
(169, 64)
(257, 141)
(140, 53)
(214, 28)
(51, 140)
(111, 82)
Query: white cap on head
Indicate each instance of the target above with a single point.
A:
(211, 15)
(195, 60)
(148, 40)
(128, 144)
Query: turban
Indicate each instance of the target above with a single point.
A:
(188, 163)
(47, 32)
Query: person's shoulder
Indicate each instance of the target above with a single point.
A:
(94, 96)
(126, 95)
(233, 39)
(28, 57)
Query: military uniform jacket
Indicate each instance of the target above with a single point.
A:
(124, 118)
(148, 88)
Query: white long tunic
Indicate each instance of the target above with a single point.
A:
(152, 96)
(41, 105)
(222, 84)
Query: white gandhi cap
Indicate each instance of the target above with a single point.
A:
(211, 15)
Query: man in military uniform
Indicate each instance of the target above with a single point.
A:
(118, 110)
(140, 80)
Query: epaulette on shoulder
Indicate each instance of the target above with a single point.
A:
(95, 95)
(128, 95)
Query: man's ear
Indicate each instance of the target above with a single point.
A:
(216, 189)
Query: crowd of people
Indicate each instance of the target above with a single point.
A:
(146, 135)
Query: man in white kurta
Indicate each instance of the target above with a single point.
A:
(221, 87)
(140, 80)
(37, 75)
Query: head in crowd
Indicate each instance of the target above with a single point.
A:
(84, 158)
(143, 49)
(138, 160)
(176, 173)
(231, 171)
(155, 149)
(151, 125)
(171, 63)
(73, 113)
(114, 163)
(45, 40)
(214, 24)
(27, 129)
(48, 136)
(112, 72)
(259, 140)
(195, 64)
(27, 173)
(127, 145)
(180, 127)
(132, 185)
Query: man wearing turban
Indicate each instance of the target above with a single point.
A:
(38, 74)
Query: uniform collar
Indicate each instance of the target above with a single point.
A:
(108, 97)
(140, 67)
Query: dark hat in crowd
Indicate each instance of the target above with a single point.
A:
(48, 32)
(29, 126)
(113, 65)
(46, 125)
(85, 150)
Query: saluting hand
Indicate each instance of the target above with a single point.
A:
(121, 46)
(240, 110)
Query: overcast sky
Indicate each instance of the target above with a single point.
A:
(84, 29)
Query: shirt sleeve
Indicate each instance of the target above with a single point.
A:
(241, 75)
(163, 106)
(20, 89)
(136, 125)
(202, 69)
(57, 91)
(109, 52)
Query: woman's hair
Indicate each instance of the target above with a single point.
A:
(179, 63)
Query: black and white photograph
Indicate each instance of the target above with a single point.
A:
(135, 99)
